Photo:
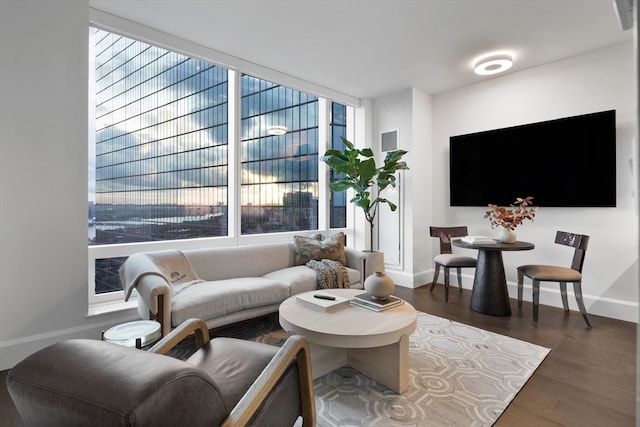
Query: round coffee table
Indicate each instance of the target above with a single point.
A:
(374, 343)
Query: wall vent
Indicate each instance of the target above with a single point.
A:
(389, 141)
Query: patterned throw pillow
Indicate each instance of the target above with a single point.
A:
(308, 248)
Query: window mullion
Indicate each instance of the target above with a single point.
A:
(234, 153)
(323, 171)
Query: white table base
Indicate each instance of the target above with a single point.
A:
(388, 365)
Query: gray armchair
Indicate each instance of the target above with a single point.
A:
(227, 381)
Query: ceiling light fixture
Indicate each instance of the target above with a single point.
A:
(493, 64)
(277, 130)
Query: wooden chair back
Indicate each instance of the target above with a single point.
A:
(445, 234)
(579, 242)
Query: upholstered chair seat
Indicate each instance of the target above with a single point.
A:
(447, 259)
(554, 273)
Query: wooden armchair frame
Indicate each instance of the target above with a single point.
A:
(295, 348)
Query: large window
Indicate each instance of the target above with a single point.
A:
(161, 163)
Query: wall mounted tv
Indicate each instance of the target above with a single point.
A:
(568, 162)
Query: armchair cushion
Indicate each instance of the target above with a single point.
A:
(233, 374)
(90, 382)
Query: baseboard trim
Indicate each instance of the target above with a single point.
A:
(597, 305)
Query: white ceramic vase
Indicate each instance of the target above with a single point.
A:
(379, 285)
(507, 235)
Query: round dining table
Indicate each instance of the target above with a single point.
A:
(490, 294)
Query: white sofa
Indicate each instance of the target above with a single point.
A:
(235, 283)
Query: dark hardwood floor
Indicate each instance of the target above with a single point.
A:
(588, 378)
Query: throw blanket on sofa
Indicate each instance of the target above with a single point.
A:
(172, 265)
(331, 274)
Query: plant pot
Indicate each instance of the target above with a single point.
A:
(373, 261)
(379, 285)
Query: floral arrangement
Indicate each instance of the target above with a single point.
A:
(511, 218)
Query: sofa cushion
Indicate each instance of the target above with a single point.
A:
(241, 261)
(298, 279)
(302, 278)
(209, 300)
(308, 248)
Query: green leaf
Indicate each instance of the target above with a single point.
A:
(394, 156)
(364, 204)
(367, 171)
(341, 185)
(367, 152)
(347, 143)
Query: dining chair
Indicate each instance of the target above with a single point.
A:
(447, 259)
(563, 275)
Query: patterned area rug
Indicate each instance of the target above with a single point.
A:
(264, 329)
(459, 376)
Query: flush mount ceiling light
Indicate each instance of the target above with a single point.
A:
(277, 130)
(493, 64)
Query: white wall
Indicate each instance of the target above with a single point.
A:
(596, 81)
(43, 177)
(402, 233)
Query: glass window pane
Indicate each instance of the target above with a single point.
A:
(338, 202)
(281, 192)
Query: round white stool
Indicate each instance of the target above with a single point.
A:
(138, 333)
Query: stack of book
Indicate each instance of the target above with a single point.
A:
(322, 301)
(367, 301)
(478, 239)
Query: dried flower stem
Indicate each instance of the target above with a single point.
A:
(511, 218)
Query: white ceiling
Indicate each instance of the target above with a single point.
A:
(369, 48)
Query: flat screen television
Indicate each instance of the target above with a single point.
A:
(568, 162)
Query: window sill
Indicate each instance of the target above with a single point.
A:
(111, 307)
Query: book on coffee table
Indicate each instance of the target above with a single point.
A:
(319, 301)
(367, 301)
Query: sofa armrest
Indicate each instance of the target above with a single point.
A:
(356, 259)
(155, 293)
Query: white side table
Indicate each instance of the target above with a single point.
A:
(138, 333)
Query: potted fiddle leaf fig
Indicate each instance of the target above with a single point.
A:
(359, 171)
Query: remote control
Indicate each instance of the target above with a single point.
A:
(327, 297)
